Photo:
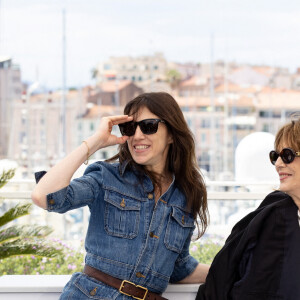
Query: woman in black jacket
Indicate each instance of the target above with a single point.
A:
(261, 257)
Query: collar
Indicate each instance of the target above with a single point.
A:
(123, 166)
(148, 186)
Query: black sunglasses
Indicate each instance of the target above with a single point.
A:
(147, 126)
(287, 155)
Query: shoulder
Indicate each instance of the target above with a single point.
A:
(274, 198)
(268, 208)
(177, 198)
(111, 178)
(103, 172)
(102, 166)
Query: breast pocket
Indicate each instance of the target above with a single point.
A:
(180, 225)
(122, 215)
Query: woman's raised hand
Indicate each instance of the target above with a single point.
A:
(60, 175)
(103, 136)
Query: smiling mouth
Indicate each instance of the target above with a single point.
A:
(284, 176)
(141, 147)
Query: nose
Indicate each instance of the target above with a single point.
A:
(138, 133)
(279, 162)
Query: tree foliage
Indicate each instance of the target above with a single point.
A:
(22, 239)
(6, 176)
(173, 78)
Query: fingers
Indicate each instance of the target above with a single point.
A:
(122, 139)
(120, 119)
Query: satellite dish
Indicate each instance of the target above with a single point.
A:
(252, 158)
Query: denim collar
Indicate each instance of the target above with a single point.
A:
(123, 166)
(147, 183)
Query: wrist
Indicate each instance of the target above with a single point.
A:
(88, 152)
(94, 143)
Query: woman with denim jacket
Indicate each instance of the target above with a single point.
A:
(144, 203)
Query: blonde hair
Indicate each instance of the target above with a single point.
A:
(289, 134)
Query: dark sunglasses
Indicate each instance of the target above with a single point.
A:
(287, 155)
(147, 126)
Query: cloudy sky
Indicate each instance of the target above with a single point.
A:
(245, 31)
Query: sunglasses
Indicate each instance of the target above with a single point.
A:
(147, 126)
(287, 155)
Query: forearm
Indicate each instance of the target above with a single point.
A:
(60, 175)
(198, 276)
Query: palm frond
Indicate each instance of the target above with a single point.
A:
(25, 231)
(6, 176)
(14, 213)
(29, 247)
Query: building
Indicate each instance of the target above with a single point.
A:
(10, 89)
(36, 136)
(222, 117)
(86, 125)
(145, 71)
(114, 93)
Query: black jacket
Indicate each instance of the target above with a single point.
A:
(261, 257)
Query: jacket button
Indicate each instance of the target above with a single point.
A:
(151, 234)
(150, 196)
(51, 201)
(93, 292)
(139, 275)
(123, 203)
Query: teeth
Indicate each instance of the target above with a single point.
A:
(141, 147)
(284, 175)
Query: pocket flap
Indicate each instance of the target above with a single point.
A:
(93, 289)
(122, 202)
(183, 218)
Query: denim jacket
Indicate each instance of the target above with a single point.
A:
(129, 236)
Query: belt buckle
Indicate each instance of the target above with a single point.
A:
(143, 288)
(146, 292)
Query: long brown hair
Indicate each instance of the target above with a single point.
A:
(181, 159)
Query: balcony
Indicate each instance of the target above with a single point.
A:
(228, 202)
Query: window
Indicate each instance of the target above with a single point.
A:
(92, 126)
(266, 127)
(205, 123)
(107, 67)
(22, 138)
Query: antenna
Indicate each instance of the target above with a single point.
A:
(0, 27)
(212, 159)
(63, 102)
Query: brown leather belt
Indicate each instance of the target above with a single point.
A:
(125, 287)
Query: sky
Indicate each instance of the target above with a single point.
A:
(245, 31)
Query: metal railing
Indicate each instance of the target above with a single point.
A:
(228, 201)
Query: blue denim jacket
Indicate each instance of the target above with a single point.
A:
(129, 236)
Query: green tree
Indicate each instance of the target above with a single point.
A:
(22, 239)
(94, 74)
(173, 78)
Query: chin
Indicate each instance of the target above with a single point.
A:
(140, 161)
